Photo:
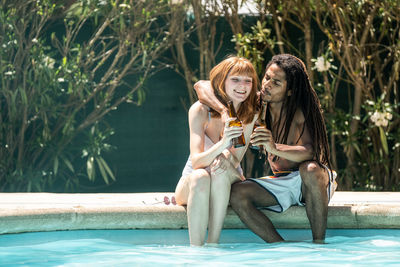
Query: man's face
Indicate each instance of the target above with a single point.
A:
(274, 85)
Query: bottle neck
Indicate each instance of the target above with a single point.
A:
(232, 108)
(263, 112)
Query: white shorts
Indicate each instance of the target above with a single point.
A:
(287, 189)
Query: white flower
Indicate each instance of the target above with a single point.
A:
(384, 123)
(9, 73)
(375, 116)
(176, 2)
(35, 41)
(60, 80)
(389, 116)
(321, 64)
(379, 118)
(84, 153)
(12, 42)
(49, 62)
(124, 6)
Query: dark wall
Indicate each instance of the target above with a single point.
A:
(152, 140)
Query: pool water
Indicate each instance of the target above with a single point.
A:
(365, 247)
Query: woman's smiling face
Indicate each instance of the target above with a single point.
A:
(238, 87)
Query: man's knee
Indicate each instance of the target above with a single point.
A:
(238, 195)
(309, 168)
(312, 173)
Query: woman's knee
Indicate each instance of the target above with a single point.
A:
(200, 181)
(221, 179)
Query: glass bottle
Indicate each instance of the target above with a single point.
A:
(238, 141)
(261, 123)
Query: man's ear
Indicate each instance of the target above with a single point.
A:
(289, 92)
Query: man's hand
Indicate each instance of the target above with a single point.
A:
(202, 85)
(206, 96)
(225, 116)
(263, 137)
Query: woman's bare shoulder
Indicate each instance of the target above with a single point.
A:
(198, 110)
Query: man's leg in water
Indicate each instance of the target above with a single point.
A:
(246, 196)
(314, 189)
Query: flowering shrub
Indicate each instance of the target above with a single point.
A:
(356, 74)
(63, 66)
(322, 64)
(381, 118)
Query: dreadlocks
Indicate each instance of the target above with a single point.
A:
(303, 96)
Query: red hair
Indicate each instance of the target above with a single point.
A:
(235, 66)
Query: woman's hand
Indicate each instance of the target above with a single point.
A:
(230, 132)
(222, 164)
(219, 165)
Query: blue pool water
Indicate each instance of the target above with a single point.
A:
(169, 248)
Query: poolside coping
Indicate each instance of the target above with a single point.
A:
(31, 212)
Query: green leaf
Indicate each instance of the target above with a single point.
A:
(24, 98)
(144, 58)
(89, 169)
(141, 96)
(355, 145)
(384, 140)
(69, 165)
(121, 23)
(55, 166)
(37, 186)
(102, 170)
(107, 168)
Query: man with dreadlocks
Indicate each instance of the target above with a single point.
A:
(298, 152)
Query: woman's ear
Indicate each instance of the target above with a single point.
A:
(289, 92)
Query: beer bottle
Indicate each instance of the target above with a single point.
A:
(238, 141)
(261, 123)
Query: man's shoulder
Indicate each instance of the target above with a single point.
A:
(299, 117)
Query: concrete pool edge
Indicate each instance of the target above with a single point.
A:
(32, 212)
